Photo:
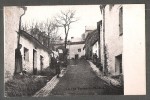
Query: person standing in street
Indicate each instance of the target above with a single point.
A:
(57, 67)
(95, 58)
(18, 60)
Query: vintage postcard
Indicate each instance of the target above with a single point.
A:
(74, 50)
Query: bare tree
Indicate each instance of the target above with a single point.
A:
(65, 19)
(35, 29)
(25, 27)
(42, 29)
(51, 28)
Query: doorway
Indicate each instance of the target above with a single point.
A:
(76, 56)
(118, 64)
(34, 62)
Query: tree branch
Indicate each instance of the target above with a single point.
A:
(64, 20)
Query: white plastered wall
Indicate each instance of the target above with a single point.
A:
(113, 40)
(28, 65)
(73, 49)
(11, 26)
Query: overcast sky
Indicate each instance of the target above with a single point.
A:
(88, 16)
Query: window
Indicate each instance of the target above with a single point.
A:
(121, 21)
(26, 54)
(79, 50)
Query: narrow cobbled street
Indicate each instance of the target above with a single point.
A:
(81, 80)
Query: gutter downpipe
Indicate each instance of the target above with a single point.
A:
(19, 32)
(102, 8)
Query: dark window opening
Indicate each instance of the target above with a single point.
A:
(121, 21)
(26, 54)
(79, 50)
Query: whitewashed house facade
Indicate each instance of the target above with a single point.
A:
(75, 49)
(122, 43)
(35, 55)
(111, 39)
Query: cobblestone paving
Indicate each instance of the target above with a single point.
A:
(80, 79)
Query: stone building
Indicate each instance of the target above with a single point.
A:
(35, 52)
(122, 44)
(75, 49)
(111, 39)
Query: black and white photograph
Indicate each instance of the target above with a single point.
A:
(70, 50)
